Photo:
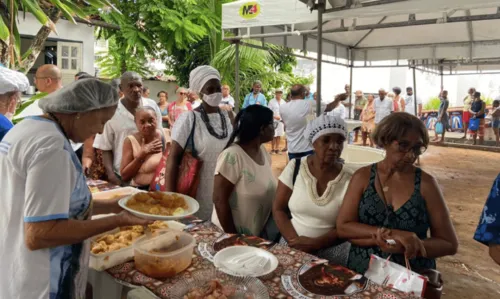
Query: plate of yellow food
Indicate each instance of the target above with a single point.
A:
(158, 205)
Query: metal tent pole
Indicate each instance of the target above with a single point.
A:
(442, 76)
(237, 75)
(415, 99)
(321, 10)
(351, 63)
(415, 91)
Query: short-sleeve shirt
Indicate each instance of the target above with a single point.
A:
(5, 126)
(295, 115)
(254, 189)
(250, 100)
(274, 105)
(488, 229)
(383, 108)
(121, 125)
(339, 111)
(227, 101)
(39, 181)
(410, 104)
(314, 215)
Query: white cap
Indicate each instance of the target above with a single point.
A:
(12, 81)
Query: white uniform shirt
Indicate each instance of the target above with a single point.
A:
(295, 115)
(38, 178)
(121, 125)
(382, 108)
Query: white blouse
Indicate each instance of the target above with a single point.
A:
(314, 215)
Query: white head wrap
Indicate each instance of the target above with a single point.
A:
(80, 96)
(325, 124)
(200, 76)
(12, 81)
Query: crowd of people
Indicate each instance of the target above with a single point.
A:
(318, 204)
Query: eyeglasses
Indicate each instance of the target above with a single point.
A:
(183, 93)
(405, 147)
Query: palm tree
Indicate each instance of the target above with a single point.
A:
(47, 12)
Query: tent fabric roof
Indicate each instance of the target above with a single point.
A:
(379, 30)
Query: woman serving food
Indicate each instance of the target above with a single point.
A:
(46, 199)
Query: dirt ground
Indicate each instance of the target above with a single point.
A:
(465, 177)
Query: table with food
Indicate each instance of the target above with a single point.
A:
(179, 256)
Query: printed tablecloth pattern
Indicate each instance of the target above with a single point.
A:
(290, 261)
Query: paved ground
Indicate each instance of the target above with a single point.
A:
(466, 177)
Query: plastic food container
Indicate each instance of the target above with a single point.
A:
(165, 254)
(104, 261)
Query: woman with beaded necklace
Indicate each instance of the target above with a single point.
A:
(213, 127)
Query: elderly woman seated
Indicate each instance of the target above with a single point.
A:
(394, 200)
(142, 151)
(311, 190)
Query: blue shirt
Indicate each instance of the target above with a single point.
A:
(310, 97)
(5, 126)
(251, 100)
(488, 230)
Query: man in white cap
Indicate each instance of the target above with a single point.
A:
(12, 83)
(275, 105)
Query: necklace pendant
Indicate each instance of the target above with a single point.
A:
(386, 188)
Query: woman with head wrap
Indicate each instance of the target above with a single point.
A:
(45, 199)
(311, 190)
(244, 184)
(212, 128)
(12, 83)
(394, 200)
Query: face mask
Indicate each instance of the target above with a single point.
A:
(9, 116)
(213, 99)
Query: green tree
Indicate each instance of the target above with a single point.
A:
(48, 13)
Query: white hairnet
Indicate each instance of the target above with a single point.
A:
(200, 76)
(325, 124)
(12, 81)
(80, 96)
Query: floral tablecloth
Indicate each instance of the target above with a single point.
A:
(282, 283)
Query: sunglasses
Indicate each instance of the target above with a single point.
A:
(183, 93)
(406, 147)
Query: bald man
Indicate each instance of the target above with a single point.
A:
(48, 78)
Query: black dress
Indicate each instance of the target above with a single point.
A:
(412, 216)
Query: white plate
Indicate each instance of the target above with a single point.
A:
(193, 205)
(226, 254)
(115, 193)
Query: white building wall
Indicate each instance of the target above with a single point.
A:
(67, 31)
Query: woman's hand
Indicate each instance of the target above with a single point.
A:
(381, 237)
(86, 164)
(147, 149)
(305, 244)
(411, 243)
(126, 219)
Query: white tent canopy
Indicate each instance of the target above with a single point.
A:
(458, 34)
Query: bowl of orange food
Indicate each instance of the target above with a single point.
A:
(158, 205)
(164, 254)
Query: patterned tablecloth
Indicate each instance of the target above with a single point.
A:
(287, 281)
